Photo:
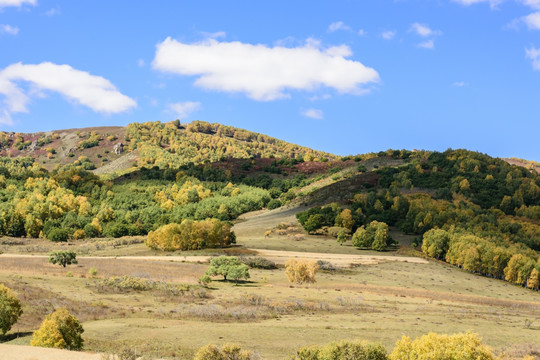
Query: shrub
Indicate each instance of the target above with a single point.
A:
(92, 272)
(325, 265)
(258, 262)
(10, 309)
(301, 271)
(463, 346)
(58, 235)
(342, 350)
(273, 204)
(91, 231)
(226, 352)
(79, 234)
(59, 330)
(63, 258)
(229, 267)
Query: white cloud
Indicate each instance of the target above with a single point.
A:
(214, 35)
(533, 21)
(388, 35)
(8, 29)
(261, 72)
(52, 12)
(184, 109)
(361, 32)
(321, 97)
(460, 84)
(338, 25)
(429, 44)
(424, 30)
(95, 92)
(18, 3)
(535, 4)
(533, 54)
(313, 113)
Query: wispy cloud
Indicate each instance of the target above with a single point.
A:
(8, 29)
(428, 44)
(264, 73)
(492, 3)
(313, 114)
(424, 30)
(533, 54)
(388, 34)
(460, 84)
(52, 12)
(16, 3)
(183, 109)
(338, 25)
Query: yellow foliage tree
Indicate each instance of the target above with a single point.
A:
(59, 330)
(301, 271)
(10, 309)
(534, 280)
(463, 346)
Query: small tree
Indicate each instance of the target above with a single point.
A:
(227, 351)
(59, 330)
(534, 280)
(63, 258)
(341, 237)
(229, 267)
(10, 309)
(301, 271)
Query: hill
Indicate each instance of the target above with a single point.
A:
(148, 144)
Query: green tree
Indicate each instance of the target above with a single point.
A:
(374, 236)
(59, 330)
(10, 309)
(229, 267)
(435, 243)
(63, 258)
(342, 350)
(341, 237)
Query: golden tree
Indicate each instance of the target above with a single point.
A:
(301, 271)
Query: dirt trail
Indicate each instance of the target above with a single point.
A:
(20, 352)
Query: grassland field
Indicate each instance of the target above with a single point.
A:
(374, 300)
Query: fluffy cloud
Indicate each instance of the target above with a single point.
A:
(388, 35)
(535, 4)
(261, 72)
(8, 29)
(95, 92)
(184, 109)
(338, 25)
(424, 30)
(313, 113)
(533, 21)
(534, 55)
(5, 3)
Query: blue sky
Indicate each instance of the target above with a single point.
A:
(345, 77)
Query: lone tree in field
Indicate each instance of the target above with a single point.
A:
(59, 330)
(301, 271)
(229, 267)
(63, 258)
(10, 309)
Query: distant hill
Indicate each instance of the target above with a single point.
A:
(114, 148)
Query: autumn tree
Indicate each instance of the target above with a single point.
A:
(226, 352)
(59, 330)
(463, 346)
(10, 309)
(374, 236)
(435, 243)
(534, 280)
(301, 271)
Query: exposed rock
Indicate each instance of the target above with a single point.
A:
(118, 148)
